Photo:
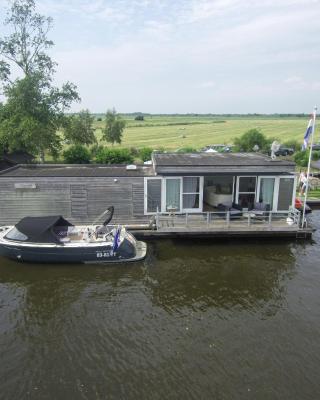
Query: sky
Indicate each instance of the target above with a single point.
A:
(188, 56)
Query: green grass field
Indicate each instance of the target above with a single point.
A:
(174, 132)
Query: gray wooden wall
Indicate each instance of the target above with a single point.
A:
(80, 200)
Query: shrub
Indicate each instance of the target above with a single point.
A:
(106, 155)
(134, 151)
(139, 118)
(250, 139)
(301, 158)
(145, 153)
(76, 154)
(292, 144)
(187, 149)
(99, 119)
(94, 149)
(316, 155)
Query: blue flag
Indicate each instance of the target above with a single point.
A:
(307, 135)
(116, 240)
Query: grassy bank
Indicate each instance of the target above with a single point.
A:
(173, 132)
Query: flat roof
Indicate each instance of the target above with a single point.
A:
(76, 170)
(228, 163)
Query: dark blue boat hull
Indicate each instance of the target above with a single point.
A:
(64, 254)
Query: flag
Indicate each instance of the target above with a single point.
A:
(307, 135)
(116, 241)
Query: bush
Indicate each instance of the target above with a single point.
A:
(145, 153)
(292, 144)
(106, 155)
(134, 152)
(250, 139)
(139, 118)
(316, 155)
(77, 154)
(99, 119)
(301, 158)
(94, 149)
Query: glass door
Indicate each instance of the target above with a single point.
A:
(173, 194)
(285, 193)
(266, 190)
(246, 191)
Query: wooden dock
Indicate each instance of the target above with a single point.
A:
(222, 225)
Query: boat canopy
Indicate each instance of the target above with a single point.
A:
(39, 229)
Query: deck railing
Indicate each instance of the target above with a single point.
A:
(225, 220)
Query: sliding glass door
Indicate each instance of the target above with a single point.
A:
(246, 191)
(266, 188)
(285, 193)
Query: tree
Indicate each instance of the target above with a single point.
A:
(77, 154)
(250, 139)
(79, 128)
(114, 127)
(34, 108)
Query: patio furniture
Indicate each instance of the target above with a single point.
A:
(234, 209)
(260, 209)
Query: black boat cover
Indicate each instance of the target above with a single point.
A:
(40, 229)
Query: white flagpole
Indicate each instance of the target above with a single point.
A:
(309, 163)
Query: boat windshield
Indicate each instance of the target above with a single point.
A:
(15, 234)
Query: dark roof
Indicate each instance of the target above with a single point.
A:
(18, 157)
(175, 163)
(81, 170)
(39, 229)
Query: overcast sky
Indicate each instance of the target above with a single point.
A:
(181, 56)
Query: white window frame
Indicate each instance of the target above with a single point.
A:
(145, 194)
(200, 208)
(238, 184)
(293, 191)
(275, 190)
(164, 194)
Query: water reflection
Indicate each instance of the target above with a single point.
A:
(222, 276)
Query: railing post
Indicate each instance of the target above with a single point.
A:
(270, 218)
(186, 219)
(208, 218)
(249, 219)
(228, 219)
(157, 219)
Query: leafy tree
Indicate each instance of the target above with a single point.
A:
(77, 154)
(79, 128)
(250, 139)
(114, 127)
(145, 153)
(114, 156)
(34, 108)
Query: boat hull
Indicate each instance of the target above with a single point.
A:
(65, 255)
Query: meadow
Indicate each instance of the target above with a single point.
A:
(174, 132)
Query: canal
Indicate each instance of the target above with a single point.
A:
(195, 320)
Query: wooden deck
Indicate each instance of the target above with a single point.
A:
(213, 224)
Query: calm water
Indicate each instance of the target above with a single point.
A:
(194, 321)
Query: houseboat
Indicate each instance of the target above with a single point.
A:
(212, 194)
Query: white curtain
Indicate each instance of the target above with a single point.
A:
(173, 193)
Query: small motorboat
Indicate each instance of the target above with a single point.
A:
(53, 239)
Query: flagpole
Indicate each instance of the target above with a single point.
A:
(309, 164)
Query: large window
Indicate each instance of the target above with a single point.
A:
(246, 191)
(153, 195)
(190, 192)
